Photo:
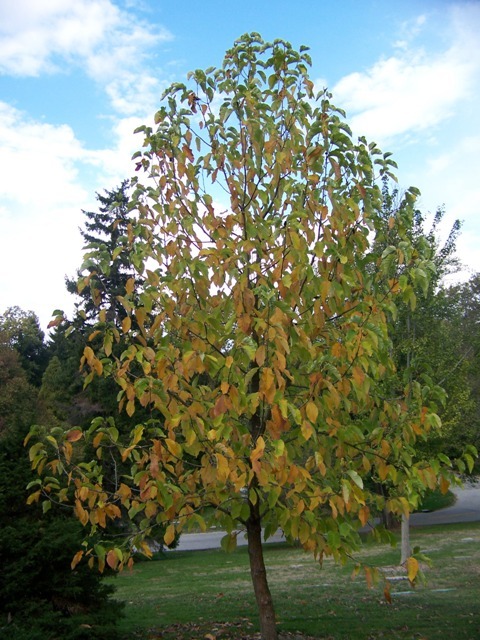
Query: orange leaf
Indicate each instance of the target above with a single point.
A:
(444, 485)
(221, 406)
(358, 376)
(112, 559)
(256, 454)
(76, 559)
(368, 577)
(364, 514)
(386, 592)
(74, 435)
(244, 323)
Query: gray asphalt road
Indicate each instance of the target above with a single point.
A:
(465, 509)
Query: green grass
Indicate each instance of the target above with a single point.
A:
(434, 500)
(188, 594)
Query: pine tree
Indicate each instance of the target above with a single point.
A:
(107, 267)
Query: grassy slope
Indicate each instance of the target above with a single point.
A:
(207, 587)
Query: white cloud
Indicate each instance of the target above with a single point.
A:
(413, 91)
(42, 197)
(48, 177)
(421, 103)
(457, 169)
(110, 44)
(37, 161)
(409, 30)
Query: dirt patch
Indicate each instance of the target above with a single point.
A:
(240, 630)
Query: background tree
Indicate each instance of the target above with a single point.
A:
(21, 330)
(40, 596)
(107, 266)
(256, 328)
(460, 322)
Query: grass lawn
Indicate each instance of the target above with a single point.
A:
(208, 594)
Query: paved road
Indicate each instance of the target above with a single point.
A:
(465, 509)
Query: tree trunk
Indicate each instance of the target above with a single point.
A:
(258, 572)
(406, 550)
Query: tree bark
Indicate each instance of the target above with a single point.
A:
(258, 572)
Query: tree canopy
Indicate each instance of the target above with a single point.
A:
(255, 329)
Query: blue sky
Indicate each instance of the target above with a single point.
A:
(77, 77)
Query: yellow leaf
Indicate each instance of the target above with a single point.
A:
(140, 315)
(337, 350)
(130, 285)
(260, 355)
(311, 411)
(174, 448)
(124, 492)
(76, 559)
(307, 429)
(412, 568)
(98, 366)
(80, 512)
(89, 355)
(224, 387)
(97, 440)
(83, 493)
(67, 451)
(267, 384)
(126, 324)
(169, 536)
(74, 434)
(223, 470)
(228, 361)
(33, 497)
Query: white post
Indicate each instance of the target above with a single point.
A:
(406, 549)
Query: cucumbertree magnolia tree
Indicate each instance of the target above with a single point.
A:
(255, 329)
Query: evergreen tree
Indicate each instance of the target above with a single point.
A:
(107, 264)
(41, 598)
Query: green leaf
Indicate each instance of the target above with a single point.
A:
(229, 542)
(356, 478)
